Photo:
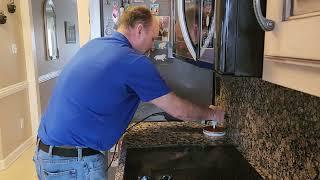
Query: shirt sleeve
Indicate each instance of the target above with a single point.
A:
(146, 81)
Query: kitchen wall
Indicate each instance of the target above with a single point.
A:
(65, 11)
(15, 124)
(277, 129)
(12, 66)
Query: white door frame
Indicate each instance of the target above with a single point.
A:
(29, 47)
(83, 21)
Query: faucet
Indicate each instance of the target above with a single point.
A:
(164, 177)
(145, 178)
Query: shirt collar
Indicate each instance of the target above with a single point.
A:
(121, 37)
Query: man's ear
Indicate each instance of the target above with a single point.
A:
(139, 28)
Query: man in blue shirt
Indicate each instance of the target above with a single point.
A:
(97, 95)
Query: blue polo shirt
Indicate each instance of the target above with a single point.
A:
(98, 93)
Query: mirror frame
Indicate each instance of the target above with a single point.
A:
(45, 4)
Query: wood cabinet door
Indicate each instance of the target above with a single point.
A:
(297, 30)
(292, 49)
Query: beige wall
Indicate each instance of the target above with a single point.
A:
(12, 66)
(1, 151)
(65, 11)
(14, 107)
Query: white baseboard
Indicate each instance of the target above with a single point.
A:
(5, 163)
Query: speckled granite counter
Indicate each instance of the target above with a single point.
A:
(276, 129)
(163, 134)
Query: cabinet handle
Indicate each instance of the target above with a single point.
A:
(265, 24)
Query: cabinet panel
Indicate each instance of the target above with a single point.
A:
(292, 51)
(300, 7)
(293, 73)
(294, 36)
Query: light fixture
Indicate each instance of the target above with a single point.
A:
(3, 18)
(11, 6)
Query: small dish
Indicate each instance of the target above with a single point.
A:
(214, 132)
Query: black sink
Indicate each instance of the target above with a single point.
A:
(188, 163)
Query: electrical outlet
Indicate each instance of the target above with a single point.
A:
(21, 123)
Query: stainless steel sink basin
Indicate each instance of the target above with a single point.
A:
(188, 163)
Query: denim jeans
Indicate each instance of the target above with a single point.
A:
(51, 167)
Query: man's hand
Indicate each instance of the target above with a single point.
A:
(218, 114)
(185, 110)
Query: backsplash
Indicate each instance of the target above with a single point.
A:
(277, 129)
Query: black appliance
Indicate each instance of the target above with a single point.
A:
(239, 40)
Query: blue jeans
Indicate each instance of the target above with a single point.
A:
(51, 167)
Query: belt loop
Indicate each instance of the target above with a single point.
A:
(50, 151)
(79, 154)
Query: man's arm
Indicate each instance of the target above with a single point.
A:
(185, 110)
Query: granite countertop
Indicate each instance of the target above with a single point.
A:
(163, 134)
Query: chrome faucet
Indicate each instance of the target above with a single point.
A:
(144, 178)
(164, 177)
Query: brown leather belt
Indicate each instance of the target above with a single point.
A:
(67, 152)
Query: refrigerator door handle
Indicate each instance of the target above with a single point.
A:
(265, 24)
(184, 30)
(210, 35)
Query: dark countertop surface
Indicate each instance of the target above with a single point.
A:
(163, 134)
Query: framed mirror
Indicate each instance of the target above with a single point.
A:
(50, 30)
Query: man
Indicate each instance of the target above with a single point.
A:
(96, 97)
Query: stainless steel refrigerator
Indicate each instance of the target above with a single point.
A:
(193, 31)
(219, 34)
